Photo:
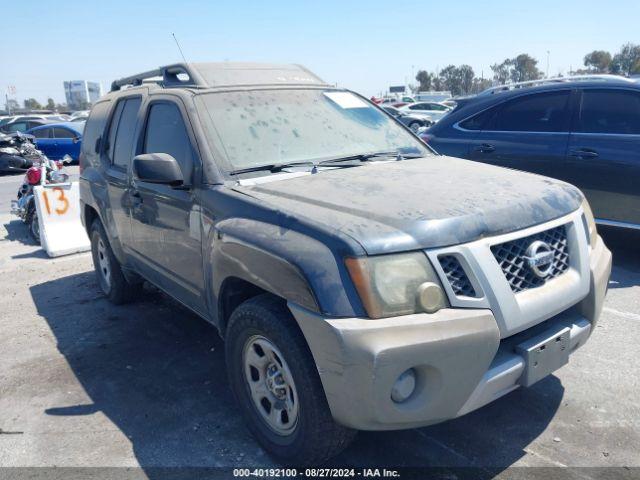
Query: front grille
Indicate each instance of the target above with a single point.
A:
(512, 258)
(456, 275)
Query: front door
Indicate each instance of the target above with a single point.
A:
(65, 143)
(166, 220)
(604, 153)
(528, 133)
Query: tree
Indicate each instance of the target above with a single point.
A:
(51, 105)
(525, 68)
(424, 78)
(501, 71)
(627, 61)
(32, 104)
(449, 77)
(466, 76)
(480, 84)
(598, 61)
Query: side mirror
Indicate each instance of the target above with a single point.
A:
(76, 139)
(158, 168)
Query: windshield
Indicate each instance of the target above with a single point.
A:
(284, 126)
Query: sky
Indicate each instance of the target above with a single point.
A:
(362, 45)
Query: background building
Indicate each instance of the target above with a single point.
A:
(81, 94)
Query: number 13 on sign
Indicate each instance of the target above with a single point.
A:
(61, 202)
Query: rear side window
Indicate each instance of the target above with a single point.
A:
(121, 150)
(94, 128)
(113, 130)
(480, 121)
(18, 127)
(609, 111)
(166, 133)
(63, 133)
(42, 133)
(542, 112)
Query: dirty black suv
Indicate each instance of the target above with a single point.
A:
(360, 281)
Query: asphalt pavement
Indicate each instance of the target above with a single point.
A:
(84, 383)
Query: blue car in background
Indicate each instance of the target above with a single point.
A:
(59, 139)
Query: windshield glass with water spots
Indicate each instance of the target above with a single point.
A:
(252, 128)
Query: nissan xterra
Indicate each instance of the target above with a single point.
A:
(360, 281)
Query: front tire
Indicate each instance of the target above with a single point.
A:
(108, 270)
(414, 126)
(276, 383)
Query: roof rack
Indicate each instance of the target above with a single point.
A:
(546, 81)
(223, 75)
(178, 74)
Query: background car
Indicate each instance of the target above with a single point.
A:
(434, 109)
(59, 139)
(414, 122)
(584, 131)
(22, 124)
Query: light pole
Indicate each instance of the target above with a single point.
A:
(548, 53)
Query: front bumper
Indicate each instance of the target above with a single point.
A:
(460, 361)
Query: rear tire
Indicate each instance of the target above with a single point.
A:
(111, 280)
(283, 379)
(31, 220)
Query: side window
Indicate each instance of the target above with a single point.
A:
(166, 133)
(481, 121)
(121, 151)
(42, 133)
(543, 112)
(18, 127)
(609, 111)
(113, 129)
(94, 127)
(63, 133)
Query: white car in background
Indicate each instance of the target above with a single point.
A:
(435, 110)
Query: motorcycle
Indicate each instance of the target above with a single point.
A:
(17, 152)
(42, 171)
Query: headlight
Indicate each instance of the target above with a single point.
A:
(401, 284)
(9, 151)
(591, 223)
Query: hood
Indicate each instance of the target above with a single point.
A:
(420, 203)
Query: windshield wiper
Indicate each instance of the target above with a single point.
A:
(365, 157)
(272, 167)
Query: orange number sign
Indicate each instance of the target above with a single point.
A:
(61, 200)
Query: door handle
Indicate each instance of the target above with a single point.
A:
(583, 153)
(485, 148)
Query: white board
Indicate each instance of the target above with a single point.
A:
(61, 230)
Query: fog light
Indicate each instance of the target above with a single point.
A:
(404, 386)
(431, 297)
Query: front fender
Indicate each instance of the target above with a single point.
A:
(282, 261)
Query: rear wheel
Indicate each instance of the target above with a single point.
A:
(108, 270)
(276, 383)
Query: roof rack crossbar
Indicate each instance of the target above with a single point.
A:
(544, 81)
(172, 75)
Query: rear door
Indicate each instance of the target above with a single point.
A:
(44, 141)
(529, 132)
(117, 154)
(166, 220)
(604, 153)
